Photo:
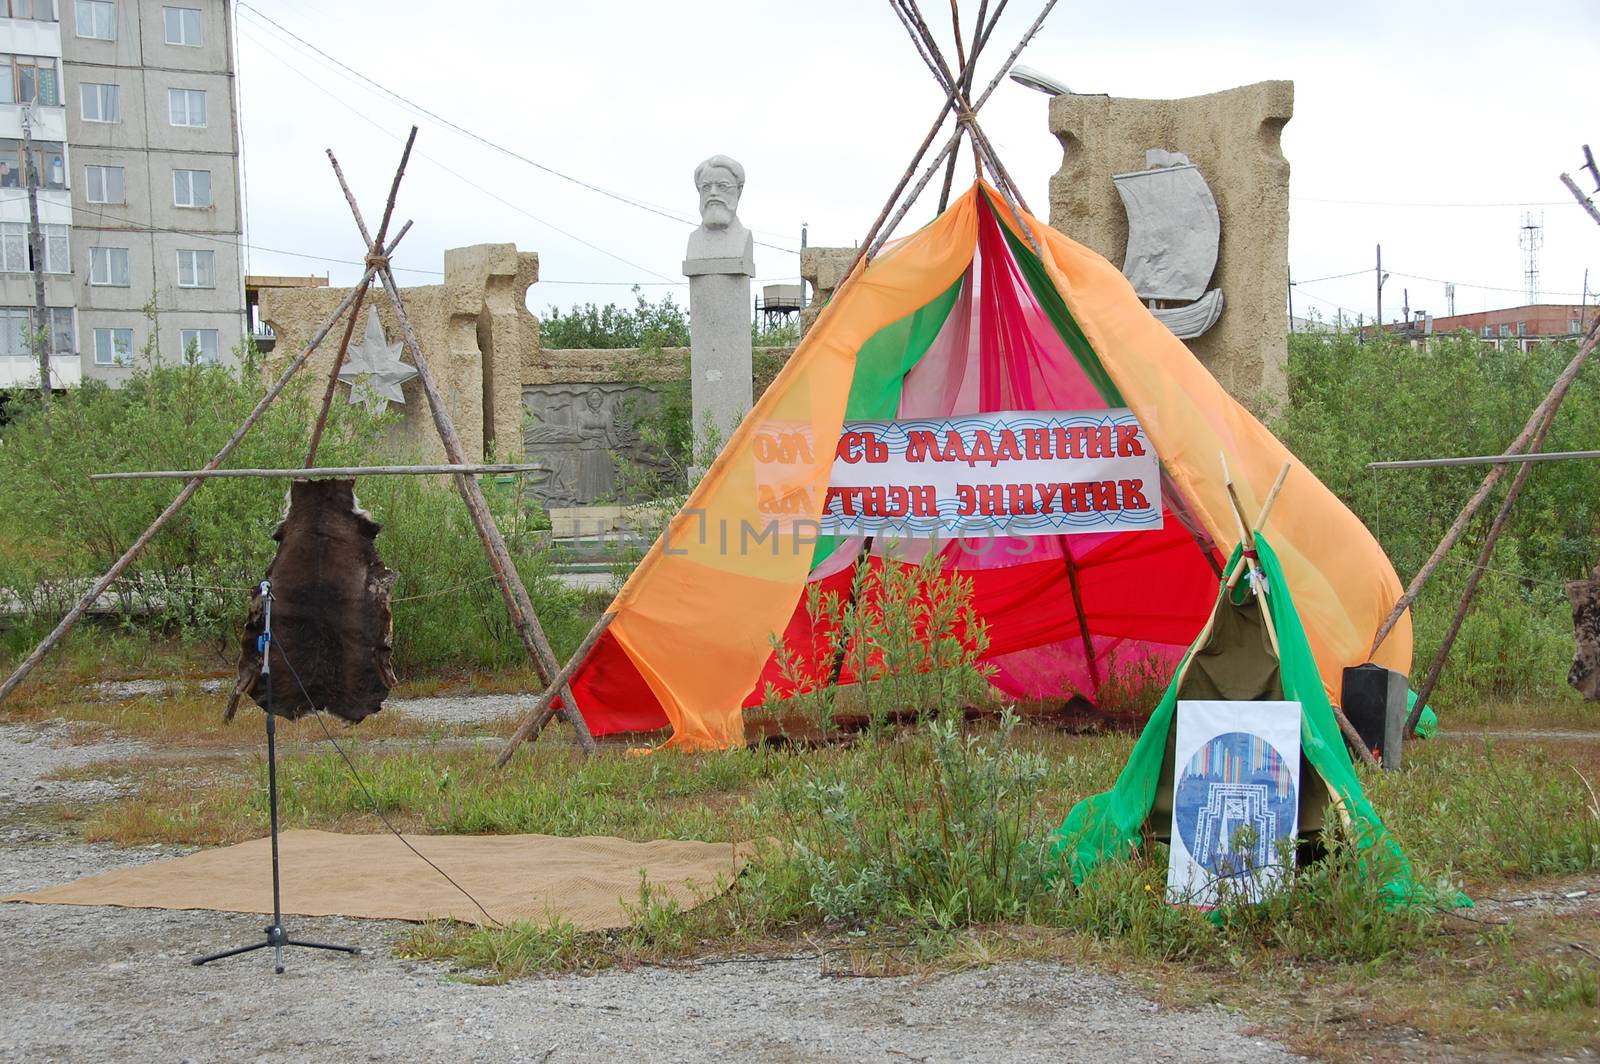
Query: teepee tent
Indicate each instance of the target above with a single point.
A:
(1248, 651)
(983, 310)
(962, 317)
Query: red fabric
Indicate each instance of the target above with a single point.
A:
(1145, 594)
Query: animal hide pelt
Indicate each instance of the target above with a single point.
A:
(1585, 598)
(331, 628)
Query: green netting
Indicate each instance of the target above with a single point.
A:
(1111, 824)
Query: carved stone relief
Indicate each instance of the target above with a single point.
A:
(580, 433)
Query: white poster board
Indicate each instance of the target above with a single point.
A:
(1235, 798)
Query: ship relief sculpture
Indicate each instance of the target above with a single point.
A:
(1174, 231)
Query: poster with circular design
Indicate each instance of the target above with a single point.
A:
(1235, 799)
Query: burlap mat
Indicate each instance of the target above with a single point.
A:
(586, 881)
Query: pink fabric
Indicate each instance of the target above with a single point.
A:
(1145, 594)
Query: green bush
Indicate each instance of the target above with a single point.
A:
(60, 530)
(1352, 403)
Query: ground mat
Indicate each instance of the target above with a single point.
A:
(589, 882)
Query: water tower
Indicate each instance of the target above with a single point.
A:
(777, 302)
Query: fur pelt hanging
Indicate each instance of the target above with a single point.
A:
(1585, 598)
(331, 628)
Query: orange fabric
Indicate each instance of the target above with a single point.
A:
(696, 614)
(1344, 585)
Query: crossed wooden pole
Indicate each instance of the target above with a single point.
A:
(377, 268)
(957, 102)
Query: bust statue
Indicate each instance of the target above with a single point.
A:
(720, 181)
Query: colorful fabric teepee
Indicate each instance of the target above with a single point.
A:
(961, 318)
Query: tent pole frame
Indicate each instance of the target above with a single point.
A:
(377, 258)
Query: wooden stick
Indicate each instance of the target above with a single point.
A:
(518, 605)
(1266, 511)
(1584, 201)
(868, 246)
(122, 563)
(333, 377)
(1551, 402)
(539, 715)
(1471, 589)
(1348, 730)
(1083, 621)
(319, 473)
(375, 248)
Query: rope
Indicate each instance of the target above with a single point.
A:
(376, 808)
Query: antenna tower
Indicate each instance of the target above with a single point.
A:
(1531, 240)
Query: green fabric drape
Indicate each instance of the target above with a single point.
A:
(1110, 824)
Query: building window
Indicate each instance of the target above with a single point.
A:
(103, 184)
(61, 331)
(100, 103)
(24, 78)
(1522, 328)
(197, 269)
(1574, 325)
(57, 248)
(1488, 332)
(113, 347)
(14, 330)
(191, 188)
(187, 107)
(38, 10)
(48, 163)
(200, 345)
(14, 248)
(1505, 329)
(97, 19)
(183, 25)
(108, 267)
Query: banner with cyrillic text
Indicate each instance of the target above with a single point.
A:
(1008, 473)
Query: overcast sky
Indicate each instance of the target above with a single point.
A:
(1404, 112)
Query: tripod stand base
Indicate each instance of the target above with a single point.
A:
(277, 938)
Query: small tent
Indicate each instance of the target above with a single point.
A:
(1236, 659)
(963, 317)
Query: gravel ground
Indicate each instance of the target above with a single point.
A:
(104, 984)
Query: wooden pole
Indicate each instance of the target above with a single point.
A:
(116, 570)
(1471, 589)
(1348, 730)
(318, 473)
(1083, 621)
(375, 248)
(542, 709)
(518, 605)
(1547, 408)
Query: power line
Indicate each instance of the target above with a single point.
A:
(459, 176)
(486, 142)
(1447, 206)
(1334, 276)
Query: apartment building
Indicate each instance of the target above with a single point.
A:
(132, 112)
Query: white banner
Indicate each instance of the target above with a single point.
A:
(1235, 798)
(1007, 473)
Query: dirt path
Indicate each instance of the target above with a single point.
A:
(104, 984)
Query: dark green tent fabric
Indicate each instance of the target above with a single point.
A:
(1110, 825)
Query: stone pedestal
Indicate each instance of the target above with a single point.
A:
(719, 340)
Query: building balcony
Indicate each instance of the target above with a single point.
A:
(22, 371)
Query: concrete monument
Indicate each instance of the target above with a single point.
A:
(1232, 138)
(719, 264)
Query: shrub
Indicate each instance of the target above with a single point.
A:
(60, 530)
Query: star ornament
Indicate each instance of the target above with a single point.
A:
(373, 369)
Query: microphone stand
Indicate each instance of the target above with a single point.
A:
(277, 937)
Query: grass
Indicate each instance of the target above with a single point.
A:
(913, 852)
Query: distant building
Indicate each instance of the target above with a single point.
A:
(1522, 326)
(137, 145)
